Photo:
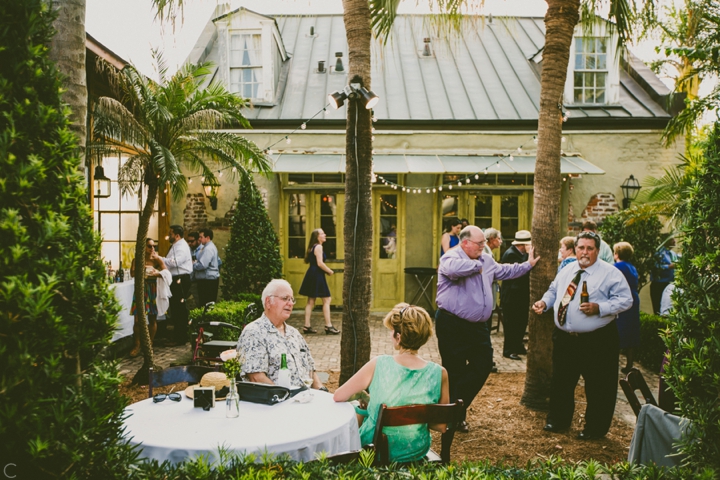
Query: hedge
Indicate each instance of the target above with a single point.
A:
(228, 312)
(652, 346)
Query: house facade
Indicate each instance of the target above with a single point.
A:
(455, 132)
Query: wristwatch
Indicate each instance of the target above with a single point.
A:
(323, 388)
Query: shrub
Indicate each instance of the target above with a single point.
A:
(228, 312)
(694, 337)
(640, 227)
(253, 252)
(60, 407)
(652, 347)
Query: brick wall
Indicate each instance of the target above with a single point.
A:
(600, 206)
(195, 214)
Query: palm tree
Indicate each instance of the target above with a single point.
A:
(162, 126)
(357, 280)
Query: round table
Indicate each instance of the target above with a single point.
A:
(177, 431)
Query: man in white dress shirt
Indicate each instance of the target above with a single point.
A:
(206, 268)
(179, 262)
(585, 340)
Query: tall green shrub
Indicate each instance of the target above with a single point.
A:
(253, 252)
(639, 227)
(694, 332)
(60, 409)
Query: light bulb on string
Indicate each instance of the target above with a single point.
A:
(459, 184)
(498, 165)
(563, 139)
(427, 191)
(477, 177)
(403, 189)
(467, 180)
(303, 126)
(440, 188)
(434, 191)
(485, 171)
(202, 179)
(512, 158)
(519, 150)
(190, 180)
(535, 139)
(165, 191)
(287, 140)
(220, 173)
(162, 214)
(234, 169)
(450, 187)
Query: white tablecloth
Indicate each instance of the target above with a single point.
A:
(124, 294)
(177, 431)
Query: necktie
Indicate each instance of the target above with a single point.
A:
(567, 298)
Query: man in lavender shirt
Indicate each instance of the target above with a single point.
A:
(465, 302)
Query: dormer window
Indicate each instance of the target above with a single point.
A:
(246, 70)
(591, 71)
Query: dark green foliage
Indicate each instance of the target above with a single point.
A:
(640, 228)
(228, 312)
(60, 408)
(694, 333)
(254, 298)
(652, 347)
(231, 467)
(253, 252)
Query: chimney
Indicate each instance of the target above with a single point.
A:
(427, 50)
(321, 66)
(312, 31)
(338, 64)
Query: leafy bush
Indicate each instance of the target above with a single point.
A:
(253, 252)
(652, 347)
(60, 407)
(640, 227)
(694, 337)
(233, 467)
(228, 312)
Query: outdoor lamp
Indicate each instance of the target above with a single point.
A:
(369, 96)
(356, 91)
(211, 187)
(337, 99)
(102, 183)
(630, 188)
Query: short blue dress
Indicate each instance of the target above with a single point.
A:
(628, 322)
(314, 284)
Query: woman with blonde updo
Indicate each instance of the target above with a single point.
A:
(404, 378)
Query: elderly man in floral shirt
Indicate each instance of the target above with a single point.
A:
(263, 341)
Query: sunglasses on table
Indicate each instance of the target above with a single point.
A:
(160, 397)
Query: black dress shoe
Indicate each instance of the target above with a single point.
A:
(550, 427)
(512, 356)
(463, 427)
(588, 436)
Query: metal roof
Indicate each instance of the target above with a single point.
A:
(432, 164)
(485, 73)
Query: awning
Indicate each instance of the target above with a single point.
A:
(433, 164)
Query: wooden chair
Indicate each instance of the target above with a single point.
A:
(451, 414)
(632, 382)
(187, 373)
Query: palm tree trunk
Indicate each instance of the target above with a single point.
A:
(357, 281)
(141, 377)
(560, 21)
(67, 50)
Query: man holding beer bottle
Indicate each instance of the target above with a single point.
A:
(585, 340)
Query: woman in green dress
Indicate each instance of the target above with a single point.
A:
(401, 379)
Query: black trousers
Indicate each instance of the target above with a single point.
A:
(179, 314)
(594, 355)
(515, 320)
(656, 291)
(207, 291)
(466, 352)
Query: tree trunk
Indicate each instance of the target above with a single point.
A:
(560, 21)
(141, 377)
(67, 50)
(358, 230)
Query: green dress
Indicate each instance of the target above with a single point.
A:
(396, 385)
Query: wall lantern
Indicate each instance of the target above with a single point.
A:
(102, 183)
(630, 188)
(211, 187)
(353, 91)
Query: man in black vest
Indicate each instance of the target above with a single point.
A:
(515, 298)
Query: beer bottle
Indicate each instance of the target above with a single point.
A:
(284, 373)
(584, 295)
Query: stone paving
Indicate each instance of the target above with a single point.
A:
(326, 353)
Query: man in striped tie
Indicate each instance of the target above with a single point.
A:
(585, 340)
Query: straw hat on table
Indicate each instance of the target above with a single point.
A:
(216, 379)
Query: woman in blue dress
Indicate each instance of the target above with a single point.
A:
(450, 237)
(628, 322)
(314, 284)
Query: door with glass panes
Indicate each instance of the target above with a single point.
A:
(508, 211)
(306, 211)
(388, 251)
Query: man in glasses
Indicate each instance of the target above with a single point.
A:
(264, 341)
(465, 303)
(606, 253)
(585, 340)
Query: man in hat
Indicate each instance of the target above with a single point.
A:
(515, 298)
(585, 340)
(464, 299)
(262, 342)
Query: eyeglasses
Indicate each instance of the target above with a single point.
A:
(285, 298)
(160, 397)
(588, 235)
(151, 246)
(479, 244)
